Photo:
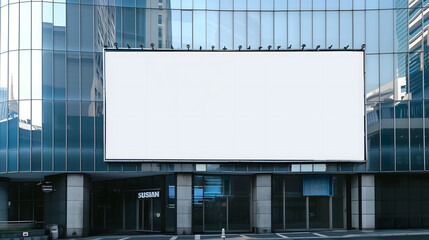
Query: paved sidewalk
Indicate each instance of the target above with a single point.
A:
(340, 234)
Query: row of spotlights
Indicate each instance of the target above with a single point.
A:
(239, 47)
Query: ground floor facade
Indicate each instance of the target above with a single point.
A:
(186, 203)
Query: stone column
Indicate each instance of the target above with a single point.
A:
(4, 199)
(184, 203)
(368, 201)
(261, 202)
(77, 205)
(354, 194)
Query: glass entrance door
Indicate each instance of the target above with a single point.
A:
(318, 212)
(145, 215)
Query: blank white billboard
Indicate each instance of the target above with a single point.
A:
(234, 106)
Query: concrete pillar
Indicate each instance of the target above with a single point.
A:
(368, 201)
(261, 203)
(363, 196)
(355, 201)
(77, 220)
(4, 199)
(184, 203)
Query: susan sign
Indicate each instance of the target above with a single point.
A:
(153, 194)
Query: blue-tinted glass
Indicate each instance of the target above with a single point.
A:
(24, 123)
(293, 29)
(373, 163)
(73, 90)
(73, 125)
(402, 160)
(346, 29)
(73, 27)
(24, 160)
(47, 160)
(332, 4)
(387, 135)
(129, 3)
(141, 27)
(73, 160)
(36, 122)
(60, 124)
(306, 29)
(100, 165)
(417, 159)
(199, 29)
(319, 29)
(358, 29)
(13, 125)
(373, 123)
(387, 4)
(426, 119)
(226, 30)
(89, 2)
(387, 160)
(71, 1)
(346, 4)
(240, 4)
(87, 76)
(59, 26)
(47, 26)
(372, 78)
(186, 4)
(115, 166)
(3, 161)
(25, 25)
(401, 114)
(267, 29)
(416, 75)
(371, 4)
(280, 29)
(280, 4)
(36, 160)
(59, 160)
(253, 29)
(87, 160)
(142, 4)
(386, 77)
(47, 75)
(47, 124)
(426, 75)
(386, 31)
(86, 27)
(129, 167)
(332, 29)
(3, 125)
(401, 30)
(213, 4)
(228, 4)
(306, 5)
(269, 4)
(98, 77)
(129, 18)
(118, 26)
(59, 75)
(88, 109)
(372, 31)
(416, 124)
(186, 29)
(212, 29)
(176, 29)
(99, 125)
(293, 4)
(12, 161)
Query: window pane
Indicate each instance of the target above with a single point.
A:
(25, 26)
(36, 28)
(346, 28)
(47, 83)
(73, 124)
(60, 124)
(24, 74)
(24, 123)
(372, 31)
(59, 26)
(280, 31)
(239, 29)
(4, 29)
(176, 26)
(332, 29)
(59, 75)
(186, 29)
(13, 76)
(226, 30)
(73, 27)
(293, 29)
(129, 19)
(306, 26)
(73, 80)
(36, 74)
(47, 25)
(88, 110)
(47, 124)
(213, 29)
(13, 26)
(36, 123)
(199, 29)
(86, 27)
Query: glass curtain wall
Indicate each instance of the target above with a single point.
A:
(308, 202)
(221, 202)
(51, 74)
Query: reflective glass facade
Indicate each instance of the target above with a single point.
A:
(51, 70)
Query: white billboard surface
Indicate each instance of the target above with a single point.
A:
(234, 106)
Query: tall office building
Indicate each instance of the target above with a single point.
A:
(52, 127)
